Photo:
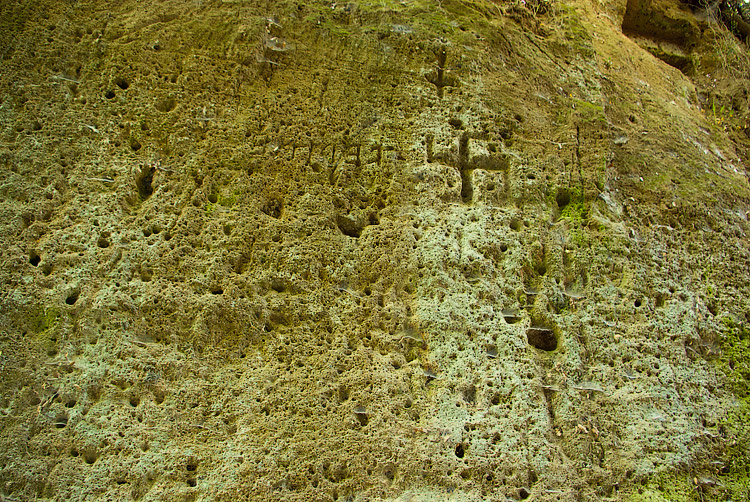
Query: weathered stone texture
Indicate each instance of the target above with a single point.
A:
(387, 250)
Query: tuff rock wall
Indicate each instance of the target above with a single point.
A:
(379, 250)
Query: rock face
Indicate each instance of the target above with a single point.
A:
(379, 250)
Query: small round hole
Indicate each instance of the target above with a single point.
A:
(72, 298)
(61, 421)
(122, 83)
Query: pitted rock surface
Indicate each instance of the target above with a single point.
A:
(383, 250)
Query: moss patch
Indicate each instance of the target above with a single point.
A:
(667, 487)
(735, 363)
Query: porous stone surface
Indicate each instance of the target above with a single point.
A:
(382, 250)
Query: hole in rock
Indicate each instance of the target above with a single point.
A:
(563, 197)
(273, 207)
(470, 394)
(659, 300)
(429, 375)
(166, 105)
(61, 421)
(511, 316)
(361, 414)
(542, 338)
(72, 298)
(348, 226)
(90, 456)
(343, 394)
(34, 258)
(144, 180)
(159, 396)
(278, 285)
(460, 450)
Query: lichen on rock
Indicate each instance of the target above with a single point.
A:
(376, 250)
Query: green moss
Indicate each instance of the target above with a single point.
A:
(221, 200)
(736, 475)
(575, 212)
(573, 206)
(43, 319)
(426, 17)
(468, 8)
(658, 180)
(665, 487)
(335, 29)
(227, 200)
(735, 363)
(589, 112)
(735, 359)
(42, 323)
(576, 34)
